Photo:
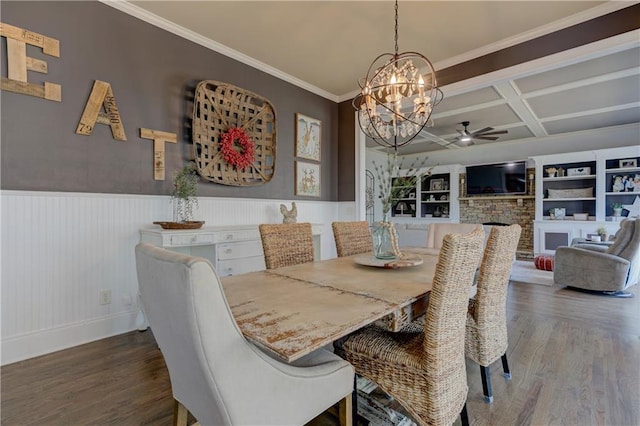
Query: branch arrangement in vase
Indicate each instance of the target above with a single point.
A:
(385, 174)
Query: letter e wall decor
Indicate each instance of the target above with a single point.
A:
(18, 63)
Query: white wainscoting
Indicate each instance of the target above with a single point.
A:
(59, 250)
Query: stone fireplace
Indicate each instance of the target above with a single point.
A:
(504, 211)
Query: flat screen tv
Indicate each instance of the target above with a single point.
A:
(502, 178)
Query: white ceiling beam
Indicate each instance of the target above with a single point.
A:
(510, 92)
(470, 108)
(591, 112)
(630, 72)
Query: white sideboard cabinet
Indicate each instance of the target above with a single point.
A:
(232, 250)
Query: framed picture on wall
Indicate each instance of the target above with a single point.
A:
(436, 185)
(629, 162)
(307, 179)
(308, 136)
(617, 185)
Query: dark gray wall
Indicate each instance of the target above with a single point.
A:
(347, 157)
(153, 74)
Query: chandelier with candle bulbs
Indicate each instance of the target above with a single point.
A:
(397, 97)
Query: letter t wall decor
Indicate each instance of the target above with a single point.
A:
(159, 139)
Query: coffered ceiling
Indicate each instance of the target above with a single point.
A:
(326, 46)
(590, 92)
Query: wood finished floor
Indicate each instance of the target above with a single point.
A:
(575, 360)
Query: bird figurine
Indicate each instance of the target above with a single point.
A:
(289, 216)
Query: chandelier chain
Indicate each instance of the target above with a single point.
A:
(396, 99)
(396, 29)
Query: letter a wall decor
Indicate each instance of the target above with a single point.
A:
(101, 95)
(18, 63)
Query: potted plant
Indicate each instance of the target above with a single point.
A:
(603, 233)
(617, 209)
(551, 171)
(185, 193)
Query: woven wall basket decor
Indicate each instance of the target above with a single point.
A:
(219, 107)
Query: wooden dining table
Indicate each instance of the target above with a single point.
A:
(294, 310)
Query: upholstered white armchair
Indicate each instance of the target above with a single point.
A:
(609, 270)
(216, 374)
(437, 231)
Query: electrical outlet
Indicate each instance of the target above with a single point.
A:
(126, 299)
(105, 297)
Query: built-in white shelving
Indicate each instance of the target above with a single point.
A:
(607, 169)
(434, 197)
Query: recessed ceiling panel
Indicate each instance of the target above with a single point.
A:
(520, 132)
(420, 147)
(627, 59)
(499, 115)
(587, 122)
(465, 100)
(602, 95)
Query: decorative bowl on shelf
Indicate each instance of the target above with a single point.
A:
(580, 216)
(181, 225)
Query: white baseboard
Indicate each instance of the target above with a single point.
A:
(52, 340)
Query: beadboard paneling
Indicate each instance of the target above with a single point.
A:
(59, 250)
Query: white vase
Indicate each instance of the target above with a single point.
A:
(617, 212)
(182, 209)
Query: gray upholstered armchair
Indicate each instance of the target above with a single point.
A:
(601, 269)
(216, 374)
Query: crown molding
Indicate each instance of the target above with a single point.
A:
(560, 24)
(582, 53)
(146, 16)
(153, 19)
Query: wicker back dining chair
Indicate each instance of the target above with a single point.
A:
(286, 244)
(423, 367)
(486, 334)
(352, 237)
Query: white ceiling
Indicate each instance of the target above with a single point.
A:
(326, 46)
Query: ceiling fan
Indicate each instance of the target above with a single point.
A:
(487, 134)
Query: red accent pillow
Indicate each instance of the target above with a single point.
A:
(544, 262)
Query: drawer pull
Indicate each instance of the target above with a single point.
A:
(229, 236)
(228, 251)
